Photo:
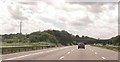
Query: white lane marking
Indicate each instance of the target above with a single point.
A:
(62, 57)
(96, 53)
(23, 56)
(103, 58)
(0, 60)
(34, 54)
(68, 53)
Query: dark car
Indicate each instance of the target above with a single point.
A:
(81, 45)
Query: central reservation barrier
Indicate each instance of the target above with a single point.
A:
(15, 49)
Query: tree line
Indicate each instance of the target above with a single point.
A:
(56, 37)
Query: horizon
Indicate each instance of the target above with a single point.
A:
(61, 30)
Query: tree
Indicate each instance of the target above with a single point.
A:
(42, 37)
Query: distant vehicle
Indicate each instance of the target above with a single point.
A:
(81, 45)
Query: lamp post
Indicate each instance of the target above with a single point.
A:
(20, 27)
(20, 34)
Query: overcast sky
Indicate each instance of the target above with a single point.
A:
(99, 20)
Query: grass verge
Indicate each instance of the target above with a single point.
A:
(28, 44)
(108, 47)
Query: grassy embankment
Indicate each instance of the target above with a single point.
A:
(28, 44)
(110, 47)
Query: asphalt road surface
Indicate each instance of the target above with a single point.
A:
(65, 53)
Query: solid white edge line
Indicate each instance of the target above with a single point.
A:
(33, 54)
(24, 56)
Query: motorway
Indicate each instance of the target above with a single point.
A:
(65, 53)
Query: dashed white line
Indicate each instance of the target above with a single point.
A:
(62, 57)
(68, 53)
(96, 53)
(103, 58)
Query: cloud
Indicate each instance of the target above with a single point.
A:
(95, 8)
(16, 14)
(93, 19)
(28, 3)
(82, 22)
